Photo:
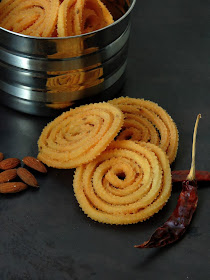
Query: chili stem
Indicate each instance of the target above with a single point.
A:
(191, 175)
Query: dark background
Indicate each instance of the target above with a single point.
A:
(44, 234)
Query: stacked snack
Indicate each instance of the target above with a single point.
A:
(53, 18)
(146, 121)
(126, 184)
(35, 18)
(79, 135)
(80, 17)
(116, 181)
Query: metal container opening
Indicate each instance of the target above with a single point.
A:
(46, 75)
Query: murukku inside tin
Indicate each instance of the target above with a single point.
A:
(34, 18)
(77, 17)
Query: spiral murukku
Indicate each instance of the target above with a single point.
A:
(76, 17)
(128, 183)
(54, 18)
(147, 121)
(77, 136)
(34, 17)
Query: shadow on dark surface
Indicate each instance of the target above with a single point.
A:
(151, 254)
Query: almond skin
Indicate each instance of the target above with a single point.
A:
(34, 163)
(9, 163)
(1, 156)
(8, 175)
(27, 177)
(12, 187)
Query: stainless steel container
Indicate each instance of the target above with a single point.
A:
(43, 75)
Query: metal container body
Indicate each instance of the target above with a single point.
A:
(44, 75)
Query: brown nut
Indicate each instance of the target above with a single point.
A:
(27, 177)
(8, 175)
(12, 187)
(1, 156)
(34, 163)
(9, 163)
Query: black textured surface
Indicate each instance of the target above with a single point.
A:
(43, 233)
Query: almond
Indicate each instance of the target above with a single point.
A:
(9, 163)
(27, 177)
(8, 175)
(1, 156)
(34, 163)
(12, 187)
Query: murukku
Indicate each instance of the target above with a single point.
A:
(76, 17)
(34, 17)
(77, 136)
(147, 121)
(54, 18)
(128, 183)
(95, 16)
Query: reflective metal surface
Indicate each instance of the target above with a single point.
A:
(40, 75)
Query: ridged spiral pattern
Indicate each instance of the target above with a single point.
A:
(34, 17)
(82, 16)
(128, 183)
(77, 136)
(147, 121)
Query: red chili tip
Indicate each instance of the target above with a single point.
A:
(143, 245)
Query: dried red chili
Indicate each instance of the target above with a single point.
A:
(181, 217)
(180, 175)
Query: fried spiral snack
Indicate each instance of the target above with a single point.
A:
(77, 17)
(34, 17)
(147, 121)
(128, 183)
(77, 136)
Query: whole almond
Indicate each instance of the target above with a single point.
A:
(12, 187)
(1, 156)
(34, 163)
(8, 175)
(9, 163)
(27, 177)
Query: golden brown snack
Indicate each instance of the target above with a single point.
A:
(147, 121)
(77, 17)
(126, 184)
(54, 18)
(35, 18)
(79, 135)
